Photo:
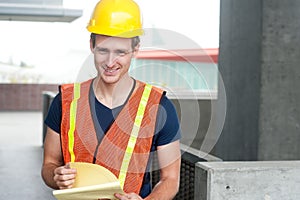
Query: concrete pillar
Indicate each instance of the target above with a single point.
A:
(280, 79)
(239, 66)
(259, 63)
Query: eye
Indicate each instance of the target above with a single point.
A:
(121, 52)
(101, 51)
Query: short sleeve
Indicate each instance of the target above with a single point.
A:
(167, 124)
(53, 119)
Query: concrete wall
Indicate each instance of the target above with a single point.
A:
(259, 62)
(263, 180)
(280, 96)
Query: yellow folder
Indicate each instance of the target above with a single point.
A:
(92, 182)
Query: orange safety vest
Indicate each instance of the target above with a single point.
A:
(125, 148)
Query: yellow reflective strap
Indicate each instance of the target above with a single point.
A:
(73, 110)
(134, 133)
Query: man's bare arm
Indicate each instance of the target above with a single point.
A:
(169, 158)
(54, 174)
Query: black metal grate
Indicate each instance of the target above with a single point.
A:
(187, 176)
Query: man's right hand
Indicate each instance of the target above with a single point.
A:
(64, 176)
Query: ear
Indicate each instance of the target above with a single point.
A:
(136, 50)
(91, 45)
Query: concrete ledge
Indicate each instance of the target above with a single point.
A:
(197, 153)
(267, 180)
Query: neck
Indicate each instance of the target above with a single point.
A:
(113, 95)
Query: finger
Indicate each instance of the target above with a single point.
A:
(68, 166)
(64, 177)
(120, 196)
(65, 184)
(133, 196)
(63, 170)
(127, 196)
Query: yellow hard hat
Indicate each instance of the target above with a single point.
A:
(120, 18)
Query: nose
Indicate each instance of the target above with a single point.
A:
(111, 59)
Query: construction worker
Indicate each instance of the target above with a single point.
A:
(114, 120)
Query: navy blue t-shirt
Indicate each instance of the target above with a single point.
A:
(167, 127)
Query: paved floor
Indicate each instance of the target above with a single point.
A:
(21, 157)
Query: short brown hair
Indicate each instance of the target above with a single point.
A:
(134, 42)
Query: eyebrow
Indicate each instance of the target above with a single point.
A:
(115, 50)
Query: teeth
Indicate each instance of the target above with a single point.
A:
(108, 70)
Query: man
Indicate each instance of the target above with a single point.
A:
(114, 120)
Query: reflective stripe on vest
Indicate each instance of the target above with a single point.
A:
(73, 110)
(134, 134)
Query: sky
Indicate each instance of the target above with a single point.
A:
(52, 46)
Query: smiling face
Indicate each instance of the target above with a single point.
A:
(112, 57)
